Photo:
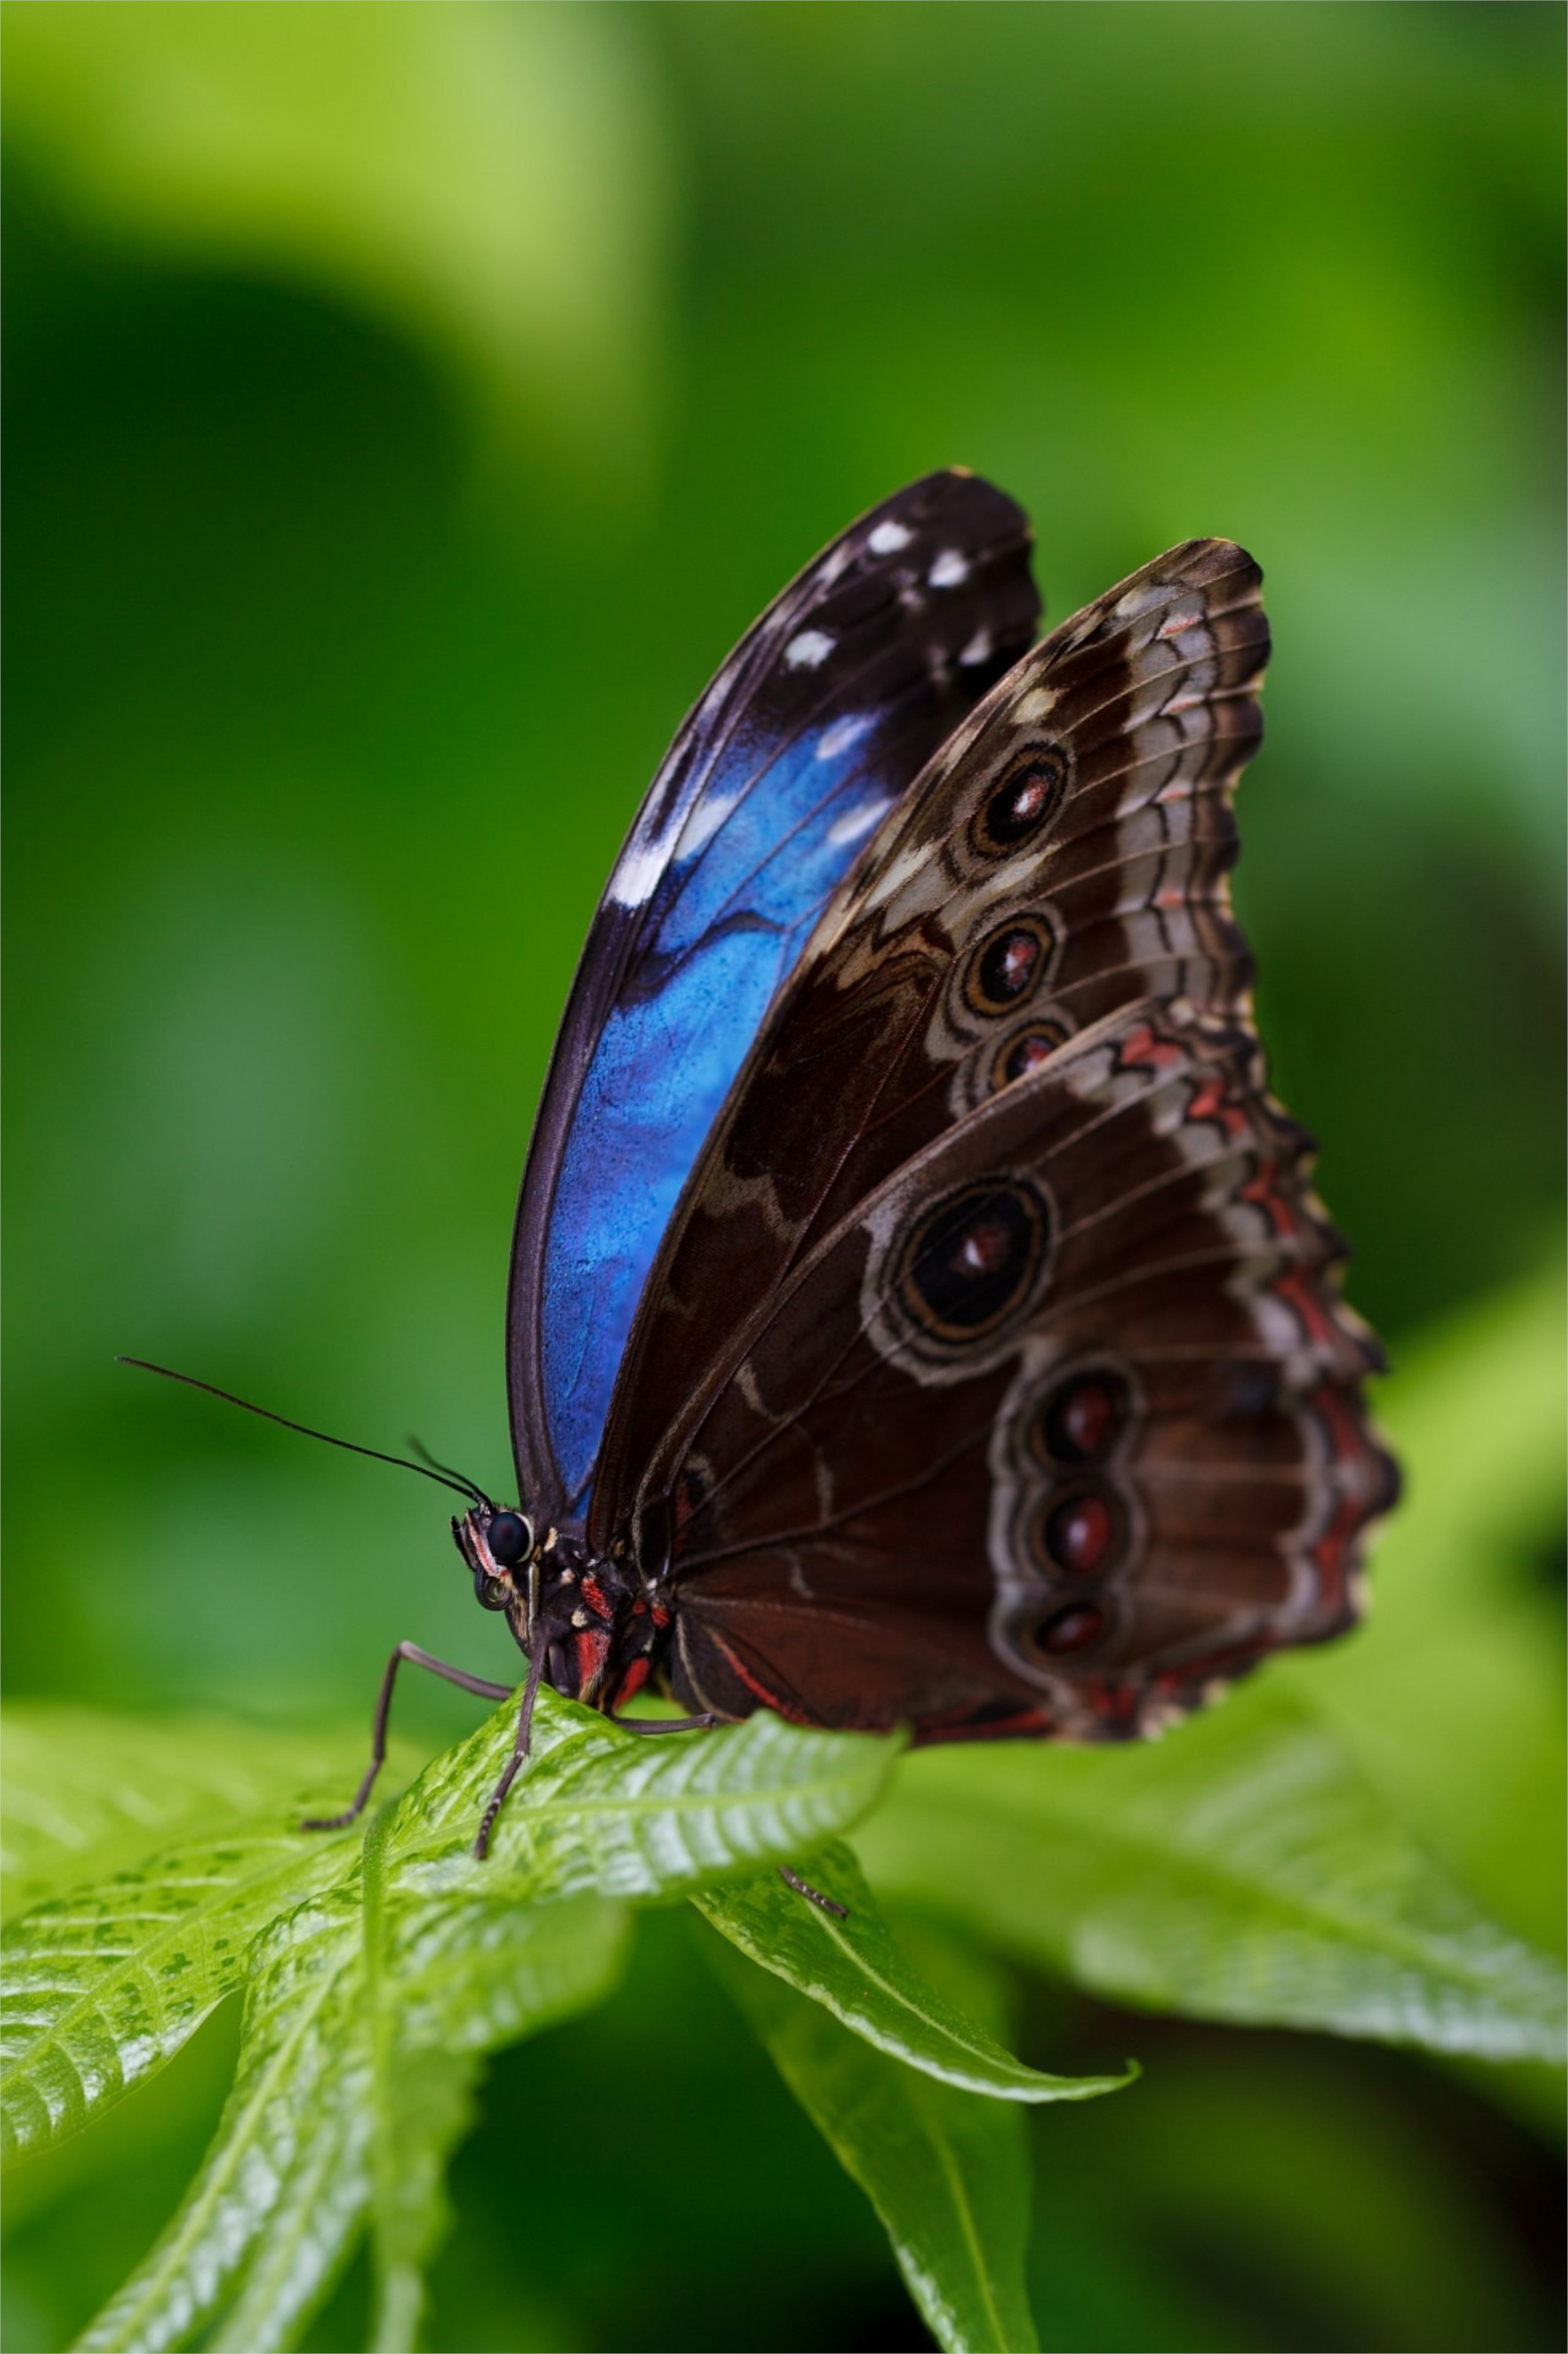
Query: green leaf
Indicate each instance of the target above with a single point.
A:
(101, 1988)
(857, 1969)
(87, 1795)
(639, 1815)
(947, 2172)
(372, 2001)
(338, 2095)
(1245, 1870)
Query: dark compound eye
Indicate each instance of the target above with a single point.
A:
(509, 1537)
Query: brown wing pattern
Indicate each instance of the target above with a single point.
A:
(1020, 1396)
(1067, 850)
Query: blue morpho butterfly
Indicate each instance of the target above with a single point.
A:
(919, 1312)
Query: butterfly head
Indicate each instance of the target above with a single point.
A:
(555, 1592)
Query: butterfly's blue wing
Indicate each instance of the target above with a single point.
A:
(821, 717)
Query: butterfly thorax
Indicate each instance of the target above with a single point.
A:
(599, 1622)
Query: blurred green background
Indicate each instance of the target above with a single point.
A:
(408, 406)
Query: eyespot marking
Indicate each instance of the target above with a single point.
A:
(1082, 1420)
(974, 1259)
(1007, 966)
(1078, 1535)
(1024, 1052)
(1068, 1632)
(1019, 807)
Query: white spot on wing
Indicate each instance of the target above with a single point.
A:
(888, 538)
(705, 821)
(951, 569)
(978, 648)
(857, 822)
(1033, 705)
(636, 878)
(844, 733)
(808, 649)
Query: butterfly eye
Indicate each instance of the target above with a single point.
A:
(509, 1537)
(1022, 803)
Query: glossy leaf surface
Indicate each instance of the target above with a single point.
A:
(856, 1968)
(946, 2171)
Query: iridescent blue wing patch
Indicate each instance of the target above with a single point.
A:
(819, 720)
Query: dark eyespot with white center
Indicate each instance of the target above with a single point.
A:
(974, 1259)
(1021, 805)
(1007, 966)
(1026, 1050)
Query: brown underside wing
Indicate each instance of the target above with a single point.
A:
(993, 1375)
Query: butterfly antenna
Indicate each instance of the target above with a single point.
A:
(470, 1486)
(463, 1487)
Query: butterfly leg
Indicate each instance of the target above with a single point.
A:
(703, 1723)
(481, 1685)
(812, 1895)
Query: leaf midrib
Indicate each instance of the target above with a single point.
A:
(1014, 2073)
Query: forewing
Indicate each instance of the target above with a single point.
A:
(814, 726)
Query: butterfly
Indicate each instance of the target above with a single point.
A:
(919, 1311)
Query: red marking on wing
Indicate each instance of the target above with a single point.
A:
(1351, 1444)
(1025, 1723)
(1262, 1192)
(1212, 1099)
(770, 1700)
(1302, 1291)
(1140, 1049)
(593, 1593)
